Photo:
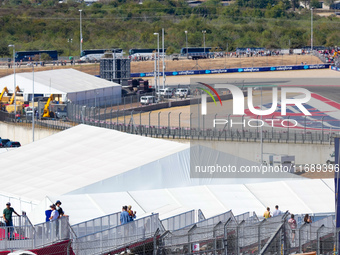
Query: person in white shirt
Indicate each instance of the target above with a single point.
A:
(54, 220)
(276, 212)
(54, 213)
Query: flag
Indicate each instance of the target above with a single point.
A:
(81, 40)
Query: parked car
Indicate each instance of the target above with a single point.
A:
(61, 114)
(167, 92)
(3, 142)
(148, 100)
(182, 92)
(12, 144)
(175, 57)
(331, 158)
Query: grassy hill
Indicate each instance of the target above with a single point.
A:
(33, 25)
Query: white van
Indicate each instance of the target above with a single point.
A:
(148, 100)
(167, 92)
(331, 158)
(182, 92)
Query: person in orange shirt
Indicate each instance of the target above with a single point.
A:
(132, 214)
(267, 213)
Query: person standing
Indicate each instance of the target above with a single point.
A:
(292, 224)
(124, 216)
(307, 219)
(54, 219)
(277, 212)
(7, 215)
(266, 214)
(132, 214)
(59, 209)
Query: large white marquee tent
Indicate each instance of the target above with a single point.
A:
(69, 84)
(94, 171)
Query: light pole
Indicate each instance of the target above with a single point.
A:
(163, 58)
(15, 101)
(32, 103)
(81, 35)
(203, 32)
(157, 59)
(311, 31)
(186, 40)
(69, 45)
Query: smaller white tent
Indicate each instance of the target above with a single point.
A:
(298, 196)
(69, 84)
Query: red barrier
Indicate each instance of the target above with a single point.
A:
(55, 249)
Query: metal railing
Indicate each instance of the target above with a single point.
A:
(117, 237)
(26, 236)
(269, 236)
(179, 221)
(96, 225)
(17, 236)
(51, 232)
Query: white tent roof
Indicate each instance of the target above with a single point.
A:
(87, 159)
(58, 81)
(77, 157)
(94, 171)
(298, 196)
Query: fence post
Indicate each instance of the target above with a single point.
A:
(322, 128)
(300, 240)
(215, 236)
(179, 124)
(117, 112)
(225, 238)
(155, 242)
(237, 236)
(318, 239)
(189, 238)
(159, 123)
(190, 124)
(169, 124)
(111, 118)
(259, 236)
(288, 130)
(149, 121)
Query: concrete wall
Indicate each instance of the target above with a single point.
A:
(23, 134)
(304, 153)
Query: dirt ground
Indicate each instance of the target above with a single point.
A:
(219, 63)
(92, 69)
(183, 64)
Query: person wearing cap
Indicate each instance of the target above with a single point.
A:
(7, 215)
(59, 209)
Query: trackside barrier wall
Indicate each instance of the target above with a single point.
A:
(96, 225)
(179, 221)
(234, 70)
(117, 237)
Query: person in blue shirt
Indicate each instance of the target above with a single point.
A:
(124, 216)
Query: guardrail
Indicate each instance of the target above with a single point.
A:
(117, 237)
(26, 236)
(179, 221)
(96, 225)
